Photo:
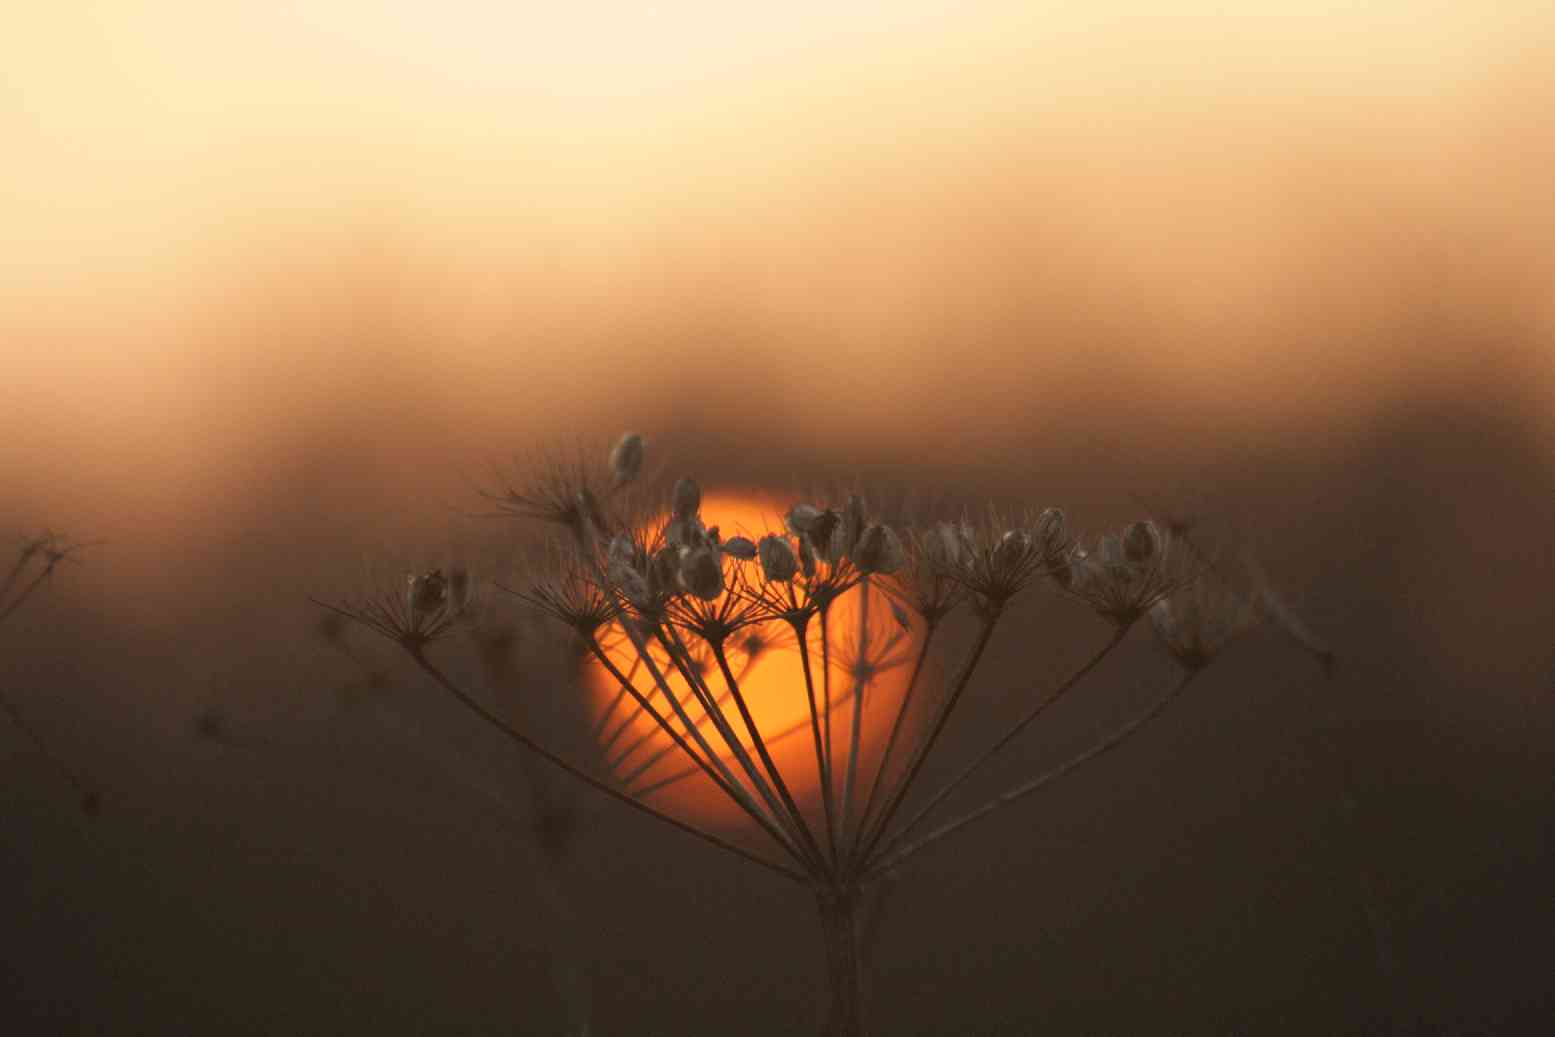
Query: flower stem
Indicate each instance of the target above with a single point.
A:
(820, 751)
(896, 731)
(474, 706)
(958, 685)
(1008, 737)
(1112, 741)
(680, 742)
(839, 930)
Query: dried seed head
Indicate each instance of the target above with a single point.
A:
(1126, 575)
(742, 548)
(1142, 541)
(626, 459)
(701, 573)
(878, 550)
(777, 558)
(427, 593)
(1200, 618)
(686, 499)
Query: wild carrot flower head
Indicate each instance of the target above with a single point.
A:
(426, 609)
(998, 558)
(572, 596)
(562, 494)
(924, 583)
(1201, 615)
(1125, 574)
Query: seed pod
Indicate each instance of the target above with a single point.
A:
(427, 593)
(1071, 572)
(1012, 550)
(1050, 528)
(777, 558)
(686, 498)
(664, 570)
(826, 535)
(878, 550)
(801, 518)
(806, 558)
(702, 574)
(626, 459)
(632, 584)
(742, 548)
(1142, 542)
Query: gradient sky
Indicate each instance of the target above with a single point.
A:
(237, 229)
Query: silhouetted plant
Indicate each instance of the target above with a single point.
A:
(35, 563)
(681, 600)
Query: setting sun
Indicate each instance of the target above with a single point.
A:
(766, 662)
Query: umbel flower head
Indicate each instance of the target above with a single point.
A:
(1200, 617)
(428, 607)
(997, 559)
(1125, 574)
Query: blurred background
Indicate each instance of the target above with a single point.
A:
(282, 285)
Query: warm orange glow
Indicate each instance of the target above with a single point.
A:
(774, 690)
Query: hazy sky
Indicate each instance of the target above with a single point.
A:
(225, 223)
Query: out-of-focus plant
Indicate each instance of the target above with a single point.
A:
(687, 604)
(36, 561)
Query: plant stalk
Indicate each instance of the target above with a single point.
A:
(839, 911)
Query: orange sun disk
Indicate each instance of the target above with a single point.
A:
(773, 686)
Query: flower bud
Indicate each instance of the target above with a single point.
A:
(1142, 542)
(742, 548)
(806, 558)
(702, 573)
(626, 459)
(777, 558)
(878, 550)
(686, 498)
